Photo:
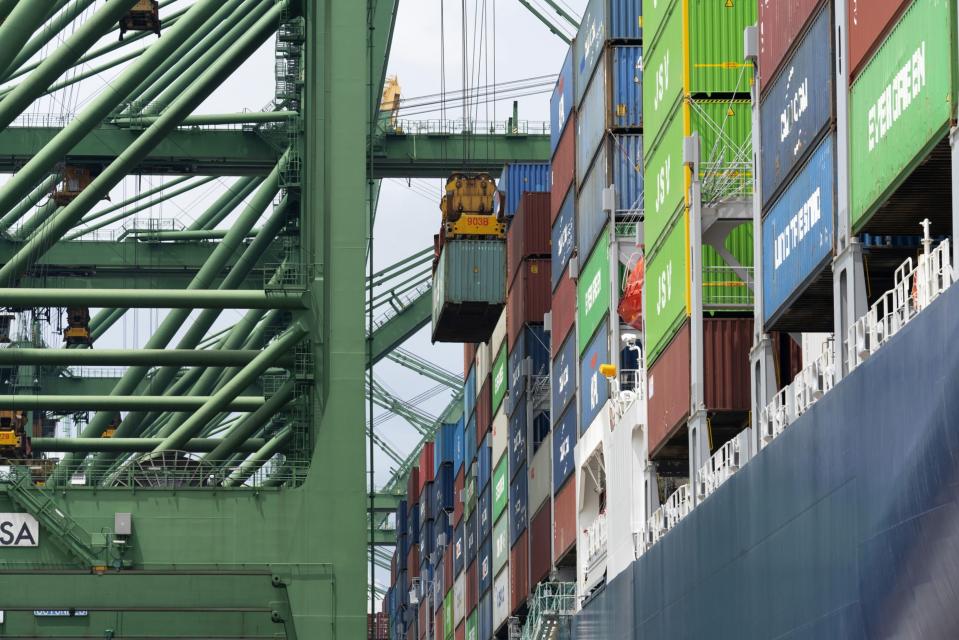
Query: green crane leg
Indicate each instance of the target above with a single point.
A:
(43, 189)
(113, 403)
(6, 6)
(181, 299)
(134, 445)
(94, 71)
(175, 81)
(128, 357)
(226, 203)
(258, 459)
(52, 29)
(41, 215)
(252, 423)
(221, 399)
(223, 19)
(99, 108)
(23, 20)
(139, 196)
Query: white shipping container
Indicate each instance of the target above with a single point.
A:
(540, 474)
(499, 334)
(501, 601)
(484, 363)
(459, 599)
(500, 434)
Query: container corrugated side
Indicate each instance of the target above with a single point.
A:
(716, 46)
(626, 86)
(459, 599)
(798, 232)
(561, 102)
(594, 386)
(663, 66)
(593, 292)
(519, 573)
(518, 178)
(540, 479)
(565, 434)
(518, 503)
(529, 297)
(499, 377)
(469, 354)
(726, 346)
(668, 385)
(626, 158)
(484, 362)
(798, 107)
(563, 377)
(591, 124)
(563, 172)
(588, 45)
(667, 283)
(655, 14)
(563, 312)
(518, 437)
(540, 528)
(484, 612)
(472, 587)
(591, 218)
(534, 343)
(901, 104)
(470, 273)
(500, 434)
(485, 567)
(562, 240)
(780, 23)
(869, 21)
(500, 488)
(664, 181)
(501, 597)
(500, 543)
(529, 232)
(484, 410)
(723, 289)
(469, 395)
(564, 519)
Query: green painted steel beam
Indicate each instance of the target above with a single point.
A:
(275, 445)
(217, 152)
(401, 327)
(546, 21)
(425, 368)
(438, 155)
(154, 298)
(134, 445)
(16, 30)
(212, 119)
(127, 357)
(121, 403)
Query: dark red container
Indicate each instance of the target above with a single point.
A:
(472, 587)
(469, 355)
(529, 298)
(529, 233)
(426, 467)
(540, 529)
(448, 570)
(423, 613)
(563, 309)
(460, 632)
(564, 519)
(413, 485)
(519, 573)
(438, 621)
(458, 484)
(413, 561)
(563, 167)
(484, 410)
(780, 24)
(727, 342)
(377, 626)
(668, 385)
(393, 559)
(788, 357)
(869, 22)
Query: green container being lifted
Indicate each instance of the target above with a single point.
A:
(469, 290)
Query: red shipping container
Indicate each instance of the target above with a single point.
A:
(393, 565)
(411, 633)
(460, 632)
(484, 410)
(529, 233)
(529, 298)
(540, 530)
(413, 486)
(563, 309)
(469, 355)
(668, 385)
(788, 356)
(426, 466)
(448, 576)
(564, 519)
(780, 23)
(727, 342)
(563, 168)
(438, 623)
(423, 613)
(413, 561)
(472, 587)
(458, 484)
(519, 573)
(869, 22)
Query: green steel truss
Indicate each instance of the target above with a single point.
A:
(239, 453)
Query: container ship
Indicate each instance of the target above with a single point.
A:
(708, 355)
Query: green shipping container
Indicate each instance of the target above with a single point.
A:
(593, 291)
(471, 627)
(901, 104)
(469, 488)
(500, 487)
(664, 183)
(697, 50)
(499, 378)
(723, 289)
(500, 544)
(469, 290)
(667, 284)
(448, 615)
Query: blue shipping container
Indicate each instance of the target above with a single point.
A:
(591, 218)
(564, 441)
(401, 515)
(533, 342)
(484, 507)
(561, 102)
(469, 534)
(426, 505)
(484, 460)
(485, 567)
(443, 491)
(798, 107)
(458, 445)
(594, 387)
(626, 108)
(469, 443)
(522, 177)
(459, 549)
(442, 534)
(518, 504)
(563, 375)
(413, 525)
(427, 539)
(798, 232)
(518, 437)
(563, 237)
(444, 450)
(591, 124)
(484, 617)
(469, 394)
(627, 162)
(603, 20)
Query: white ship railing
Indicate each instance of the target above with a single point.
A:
(799, 396)
(629, 387)
(723, 464)
(678, 506)
(597, 535)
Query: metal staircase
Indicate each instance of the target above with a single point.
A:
(550, 612)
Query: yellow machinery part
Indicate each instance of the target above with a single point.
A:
(465, 194)
(476, 225)
(9, 438)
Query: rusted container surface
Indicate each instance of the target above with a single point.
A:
(726, 345)
(469, 354)
(563, 167)
(484, 410)
(869, 21)
(458, 485)
(668, 389)
(519, 573)
(472, 587)
(540, 529)
(529, 232)
(563, 313)
(529, 298)
(564, 519)
(780, 23)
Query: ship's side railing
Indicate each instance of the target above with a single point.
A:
(724, 463)
(799, 396)
(915, 288)
(628, 388)
(597, 535)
